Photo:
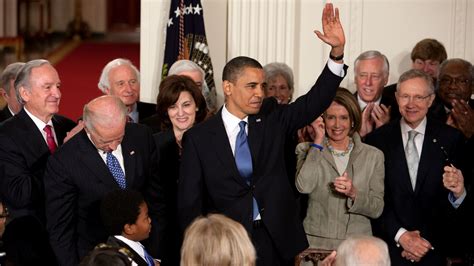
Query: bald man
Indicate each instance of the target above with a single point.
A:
(108, 154)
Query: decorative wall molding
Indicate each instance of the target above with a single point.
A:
(264, 30)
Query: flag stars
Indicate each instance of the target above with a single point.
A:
(189, 9)
(197, 9)
(177, 12)
(170, 22)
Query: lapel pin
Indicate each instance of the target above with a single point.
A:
(258, 120)
(132, 152)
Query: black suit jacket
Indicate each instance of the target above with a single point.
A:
(5, 114)
(23, 155)
(145, 110)
(77, 179)
(114, 242)
(210, 182)
(425, 208)
(166, 225)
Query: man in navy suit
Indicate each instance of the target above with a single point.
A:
(7, 90)
(212, 179)
(417, 198)
(26, 142)
(107, 154)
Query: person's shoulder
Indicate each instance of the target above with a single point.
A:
(64, 121)
(443, 129)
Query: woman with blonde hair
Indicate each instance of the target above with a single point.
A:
(217, 240)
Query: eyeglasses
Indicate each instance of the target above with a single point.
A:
(446, 81)
(404, 98)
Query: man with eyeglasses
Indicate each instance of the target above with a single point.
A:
(420, 189)
(122, 79)
(454, 104)
(371, 69)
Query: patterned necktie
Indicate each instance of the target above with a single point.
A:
(50, 139)
(412, 157)
(149, 258)
(243, 160)
(116, 170)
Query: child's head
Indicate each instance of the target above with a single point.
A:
(124, 212)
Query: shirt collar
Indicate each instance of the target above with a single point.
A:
(421, 128)
(231, 121)
(363, 104)
(38, 122)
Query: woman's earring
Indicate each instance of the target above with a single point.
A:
(352, 124)
(197, 109)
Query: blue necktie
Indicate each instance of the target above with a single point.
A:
(116, 170)
(243, 160)
(149, 259)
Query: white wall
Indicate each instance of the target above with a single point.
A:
(390, 26)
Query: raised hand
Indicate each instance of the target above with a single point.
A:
(463, 117)
(453, 180)
(318, 130)
(381, 115)
(367, 123)
(333, 33)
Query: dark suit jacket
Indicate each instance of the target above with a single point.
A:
(145, 110)
(5, 114)
(169, 161)
(77, 179)
(425, 208)
(23, 155)
(210, 182)
(114, 242)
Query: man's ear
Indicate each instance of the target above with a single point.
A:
(24, 94)
(129, 229)
(227, 86)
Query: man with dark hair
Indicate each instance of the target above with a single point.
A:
(225, 171)
(7, 90)
(427, 55)
(125, 217)
(419, 188)
(107, 154)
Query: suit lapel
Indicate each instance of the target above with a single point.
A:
(255, 137)
(220, 140)
(33, 137)
(94, 162)
(429, 148)
(129, 159)
(58, 130)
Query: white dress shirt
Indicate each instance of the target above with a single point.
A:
(40, 125)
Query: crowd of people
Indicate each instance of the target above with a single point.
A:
(377, 177)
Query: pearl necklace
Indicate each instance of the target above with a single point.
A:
(339, 154)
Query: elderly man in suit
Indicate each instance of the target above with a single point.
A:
(122, 79)
(7, 90)
(371, 69)
(107, 154)
(26, 142)
(417, 195)
(29, 138)
(222, 171)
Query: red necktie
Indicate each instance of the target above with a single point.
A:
(50, 139)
